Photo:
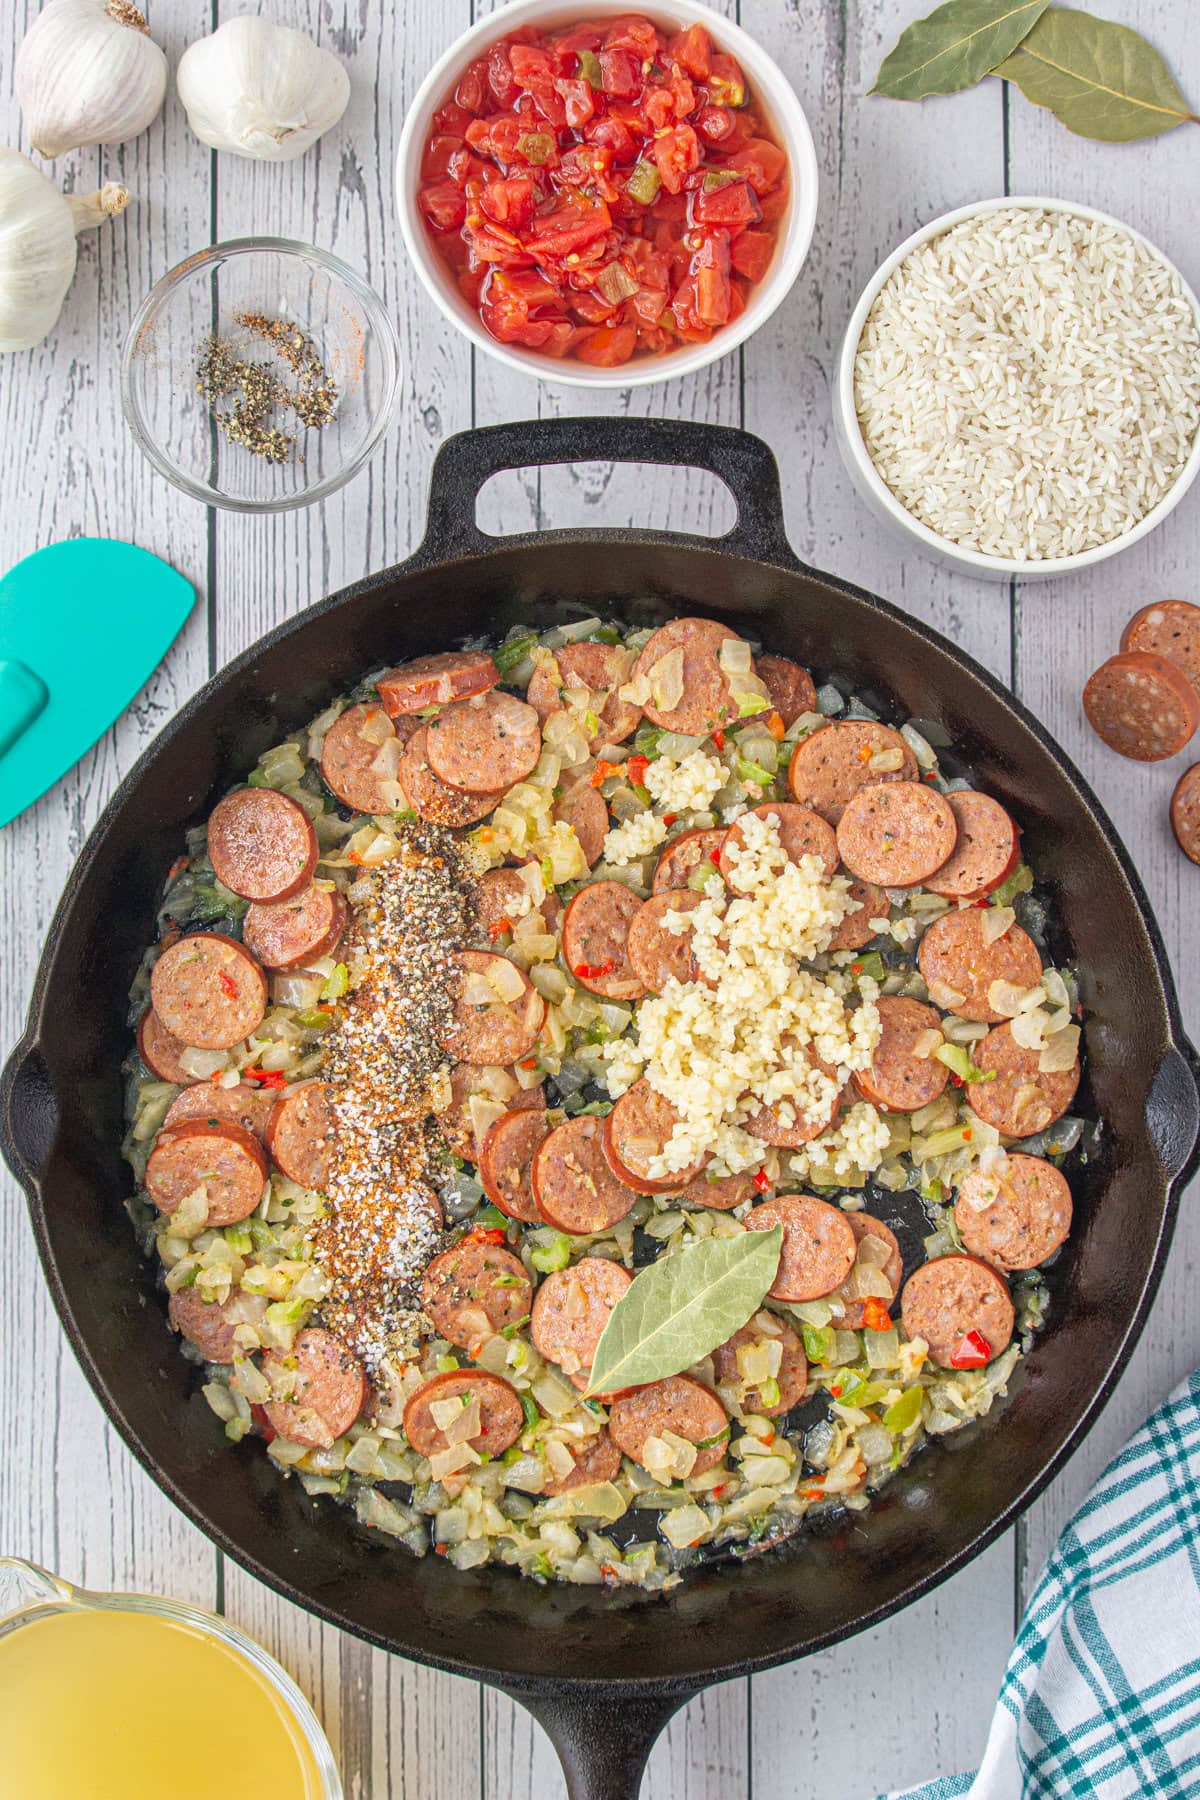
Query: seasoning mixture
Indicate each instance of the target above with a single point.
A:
(258, 394)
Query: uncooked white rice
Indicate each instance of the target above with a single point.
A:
(1028, 383)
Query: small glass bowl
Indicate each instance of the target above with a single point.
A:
(333, 306)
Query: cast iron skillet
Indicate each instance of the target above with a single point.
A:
(602, 1671)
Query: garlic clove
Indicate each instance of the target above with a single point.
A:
(261, 90)
(37, 246)
(88, 72)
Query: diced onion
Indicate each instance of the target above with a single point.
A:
(734, 656)
(1060, 1052)
(886, 762)
(450, 1461)
(1029, 1029)
(995, 921)
(1006, 998)
(925, 1043)
(666, 681)
(376, 727)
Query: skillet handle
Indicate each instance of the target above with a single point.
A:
(1173, 1110)
(743, 462)
(28, 1113)
(603, 1740)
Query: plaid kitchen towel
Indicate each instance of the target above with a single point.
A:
(1101, 1696)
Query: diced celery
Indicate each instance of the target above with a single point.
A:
(754, 771)
(315, 1020)
(336, 983)
(1019, 882)
(644, 183)
(446, 1365)
(239, 1239)
(647, 740)
(750, 704)
(589, 68)
(957, 1058)
(903, 1413)
(818, 1342)
(768, 1391)
(546, 1258)
(512, 651)
(490, 1218)
(529, 1407)
(871, 964)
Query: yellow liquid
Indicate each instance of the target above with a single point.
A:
(125, 1706)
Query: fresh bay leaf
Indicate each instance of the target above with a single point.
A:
(954, 47)
(681, 1307)
(1100, 80)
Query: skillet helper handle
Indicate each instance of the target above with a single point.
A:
(603, 1740)
(1173, 1110)
(743, 462)
(28, 1113)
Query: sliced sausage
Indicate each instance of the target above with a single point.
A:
(493, 1030)
(570, 1311)
(792, 1376)
(261, 844)
(680, 1405)
(247, 1106)
(684, 854)
(802, 832)
(598, 667)
(502, 901)
(584, 809)
(636, 1132)
(1169, 628)
(896, 1079)
(818, 1245)
(224, 1159)
(896, 834)
(856, 929)
(208, 991)
(596, 1459)
(436, 680)
(950, 1296)
(161, 1050)
(785, 1126)
(1021, 1100)
(296, 932)
(853, 1314)
(789, 686)
(501, 1415)
(1185, 814)
(505, 1160)
(454, 1122)
(1014, 1216)
(1142, 706)
(595, 940)
(959, 965)
(329, 1389)
(484, 745)
(721, 1193)
(300, 1135)
(575, 1189)
(986, 852)
(707, 702)
(474, 1290)
(210, 1324)
(430, 798)
(361, 758)
(830, 766)
(657, 954)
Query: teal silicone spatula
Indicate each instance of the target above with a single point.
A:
(83, 625)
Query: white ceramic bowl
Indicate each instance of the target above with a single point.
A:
(771, 92)
(875, 491)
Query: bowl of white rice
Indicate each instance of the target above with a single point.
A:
(1018, 390)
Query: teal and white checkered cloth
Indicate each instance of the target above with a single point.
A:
(1101, 1697)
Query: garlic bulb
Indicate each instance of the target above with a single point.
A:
(37, 246)
(88, 72)
(261, 90)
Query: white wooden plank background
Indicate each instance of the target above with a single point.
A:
(401, 1732)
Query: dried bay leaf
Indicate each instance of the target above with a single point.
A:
(1100, 80)
(682, 1307)
(955, 46)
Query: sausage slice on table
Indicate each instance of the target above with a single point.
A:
(1142, 706)
(596, 1459)
(300, 1135)
(571, 1309)
(635, 1134)
(161, 1050)
(864, 1225)
(684, 854)
(856, 929)
(473, 1290)
(952, 1298)
(505, 1162)
(575, 1189)
(593, 666)
(595, 940)
(1169, 628)
(224, 1159)
(802, 832)
(249, 1107)
(680, 1405)
(436, 680)
(789, 686)
(896, 1078)
(210, 1324)
(657, 954)
(684, 657)
(1014, 1216)
(361, 753)
(986, 852)
(430, 798)
(261, 844)
(208, 991)
(485, 744)
(501, 1415)
(584, 809)
(1185, 814)
(818, 1245)
(498, 1012)
(830, 765)
(791, 1377)
(960, 965)
(329, 1389)
(295, 932)
(896, 834)
(1021, 1100)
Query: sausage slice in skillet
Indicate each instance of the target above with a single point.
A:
(657, 954)
(1022, 1099)
(791, 1376)
(951, 1297)
(684, 854)
(161, 1050)
(706, 702)
(300, 1135)
(830, 765)
(985, 854)
(896, 1078)
(261, 844)
(595, 940)
(501, 1415)
(680, 1405)
(298, 931)
(328, 1392)
(896, 834)
(250, 1107)
(593, 666)
(474, 1290)
(498, 1012)
(635, 1133)
(571, 1309)
(789, 686)
(361, 754)
(430, 798)
(1014, 1216)
(209, 991)
(436, 680)
(223, 1158)
(583, 808)
(596, 1459)
(818, 1245)
(960, 965)
(485, 744)
(210, 1324)
(506, 1160)
(802, 832)
(856, 929)
(575, 1189)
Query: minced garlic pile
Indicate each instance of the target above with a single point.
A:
(721, 1052)
(686, 786)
